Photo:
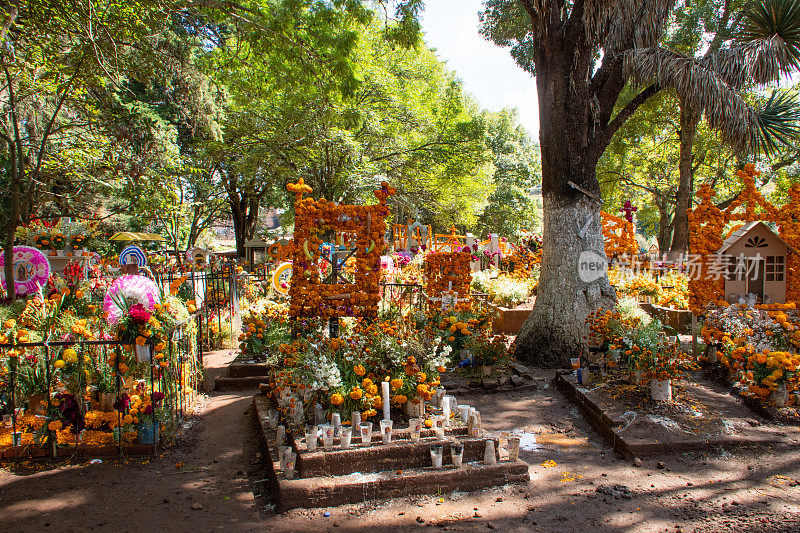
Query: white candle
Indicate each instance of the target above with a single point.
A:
(336, 420)
(385, 396)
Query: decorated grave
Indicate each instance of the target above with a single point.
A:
(643, 389)
(91, 364)
(347, 373)
(746, 291)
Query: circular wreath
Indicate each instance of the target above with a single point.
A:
(281, 278)
(132, 254)
(31, 270)
(127, 291)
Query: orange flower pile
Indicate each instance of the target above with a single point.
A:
(448, 271)
(618, 235)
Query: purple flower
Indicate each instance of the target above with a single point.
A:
(122, 402)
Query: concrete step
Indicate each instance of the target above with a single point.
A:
(375, 472)
(244, 383)
(331, 491)
(246, 370)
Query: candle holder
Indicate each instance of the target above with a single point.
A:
(312, 433)
(457, 453)
(283, 451)
(513, 448)
(463, 412)
(365, 429)
(273, 419)
(290, 464)
(280, 435)
(386, 431)
(488, 453)
(438, 427)
(327, 437)
(415, 428)
(355, 420)
(345, 436)
(436, 455)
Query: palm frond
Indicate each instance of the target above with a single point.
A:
(778, 121)
(771, 29)
(701, 87)
(618, 25)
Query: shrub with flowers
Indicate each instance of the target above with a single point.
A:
(503, 289)
(490, 350)
(630, 338)
(265, 326)
(759, 346)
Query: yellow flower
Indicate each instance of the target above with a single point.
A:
(55, 425)
(337, 399)
(356, 393)
(70, 356)
(359, 370)
(141, 341)
(59, 363)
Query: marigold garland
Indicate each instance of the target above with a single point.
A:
(365, 227)
(447, 271)
(618, 235)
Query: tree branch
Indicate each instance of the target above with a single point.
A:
(625, 113)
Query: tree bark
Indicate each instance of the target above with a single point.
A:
(688, 124)
(12, 222)
(556, 329)
(664, 225)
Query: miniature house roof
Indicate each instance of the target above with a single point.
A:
(745, 230)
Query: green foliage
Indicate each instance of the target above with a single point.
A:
(511, 210)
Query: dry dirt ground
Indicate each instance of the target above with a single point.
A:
(211, 480)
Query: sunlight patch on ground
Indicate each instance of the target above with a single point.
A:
(30, 508)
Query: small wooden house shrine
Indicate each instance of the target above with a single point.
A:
(756, 264)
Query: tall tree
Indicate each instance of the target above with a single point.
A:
(583, 53)
(60, 60)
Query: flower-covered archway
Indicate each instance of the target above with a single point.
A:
(707, 224)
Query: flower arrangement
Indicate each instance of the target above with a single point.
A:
(344, 374)
(618, 235)
(448, 271)
(522, 263)
(365, 228)
(265, 327)
(36, 270)
(126, 291)
(489, 350)
(758, 345)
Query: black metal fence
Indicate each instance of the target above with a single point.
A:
(97, 408)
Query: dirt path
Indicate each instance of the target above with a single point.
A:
(588, 489)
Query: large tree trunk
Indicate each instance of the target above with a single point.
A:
(688, 124)
(664, 225)
(244, 211)
(556, 329)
